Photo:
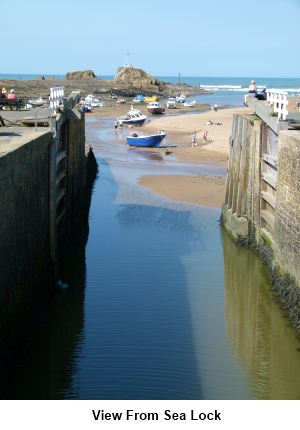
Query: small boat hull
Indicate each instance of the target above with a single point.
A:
(151, 99)
(139, 98)
(155, 107)
(36, 103)
(156, 110)
(189, 104)
(85, 108)
(151, 141)
(132, 121)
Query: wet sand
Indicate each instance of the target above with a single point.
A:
(202, 190)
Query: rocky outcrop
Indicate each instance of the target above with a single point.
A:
(138, 80)
(85, 75)
(40, 78)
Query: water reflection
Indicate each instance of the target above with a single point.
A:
(141, 154)
(262, 341)
(49, 372)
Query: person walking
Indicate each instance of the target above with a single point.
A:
(205, 138)
(116, 125)
(194, 137)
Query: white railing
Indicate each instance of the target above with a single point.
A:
(56, 96)
(278, 99)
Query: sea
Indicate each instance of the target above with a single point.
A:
(227, 91)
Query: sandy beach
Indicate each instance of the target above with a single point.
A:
(202, 190)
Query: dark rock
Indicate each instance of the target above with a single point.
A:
(86, 74)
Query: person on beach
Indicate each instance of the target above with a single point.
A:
(205, 138)
(194, 137)
(116, 125)
(209, 122)
(215, 108)
(120, 125)
(12, 95)
(252, 91)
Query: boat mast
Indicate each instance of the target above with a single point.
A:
(127, 53)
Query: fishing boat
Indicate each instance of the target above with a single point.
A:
(181, 98)
(120, 101)
(134, 117)
(86, 107)
(171, 103)
(155, 107)
(189, 103)
(151, 99)
(92, 101)
(96, 104)
(146, 141)
(138, 98)
(38, 102)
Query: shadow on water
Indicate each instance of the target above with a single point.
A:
(47, 374)
(122, 330)
(264, 344)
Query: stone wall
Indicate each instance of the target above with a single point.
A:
(262, 203)
(24, 209)
(27, 270)
(287, 220)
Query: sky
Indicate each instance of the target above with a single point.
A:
(163, 37)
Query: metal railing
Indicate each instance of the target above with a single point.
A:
(278, 99)
(56, 96)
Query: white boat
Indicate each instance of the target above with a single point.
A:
(96, 104)
(171, 103)
(189, 103)
(181, 98)
(91, 100)
(86, 108)
(134, 117)
(38, 102)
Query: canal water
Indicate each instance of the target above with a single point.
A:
(161, 303)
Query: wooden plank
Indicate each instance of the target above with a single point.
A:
(60, 155)
(269, 198)
(60, 174)
(270, 179)
(270, 159)
(268, 217)
(60, 193)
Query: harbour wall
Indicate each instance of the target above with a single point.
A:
(46, 181)
(262, 205)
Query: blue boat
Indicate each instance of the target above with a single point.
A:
(133, 117)
(150, 141)
(139, 98)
